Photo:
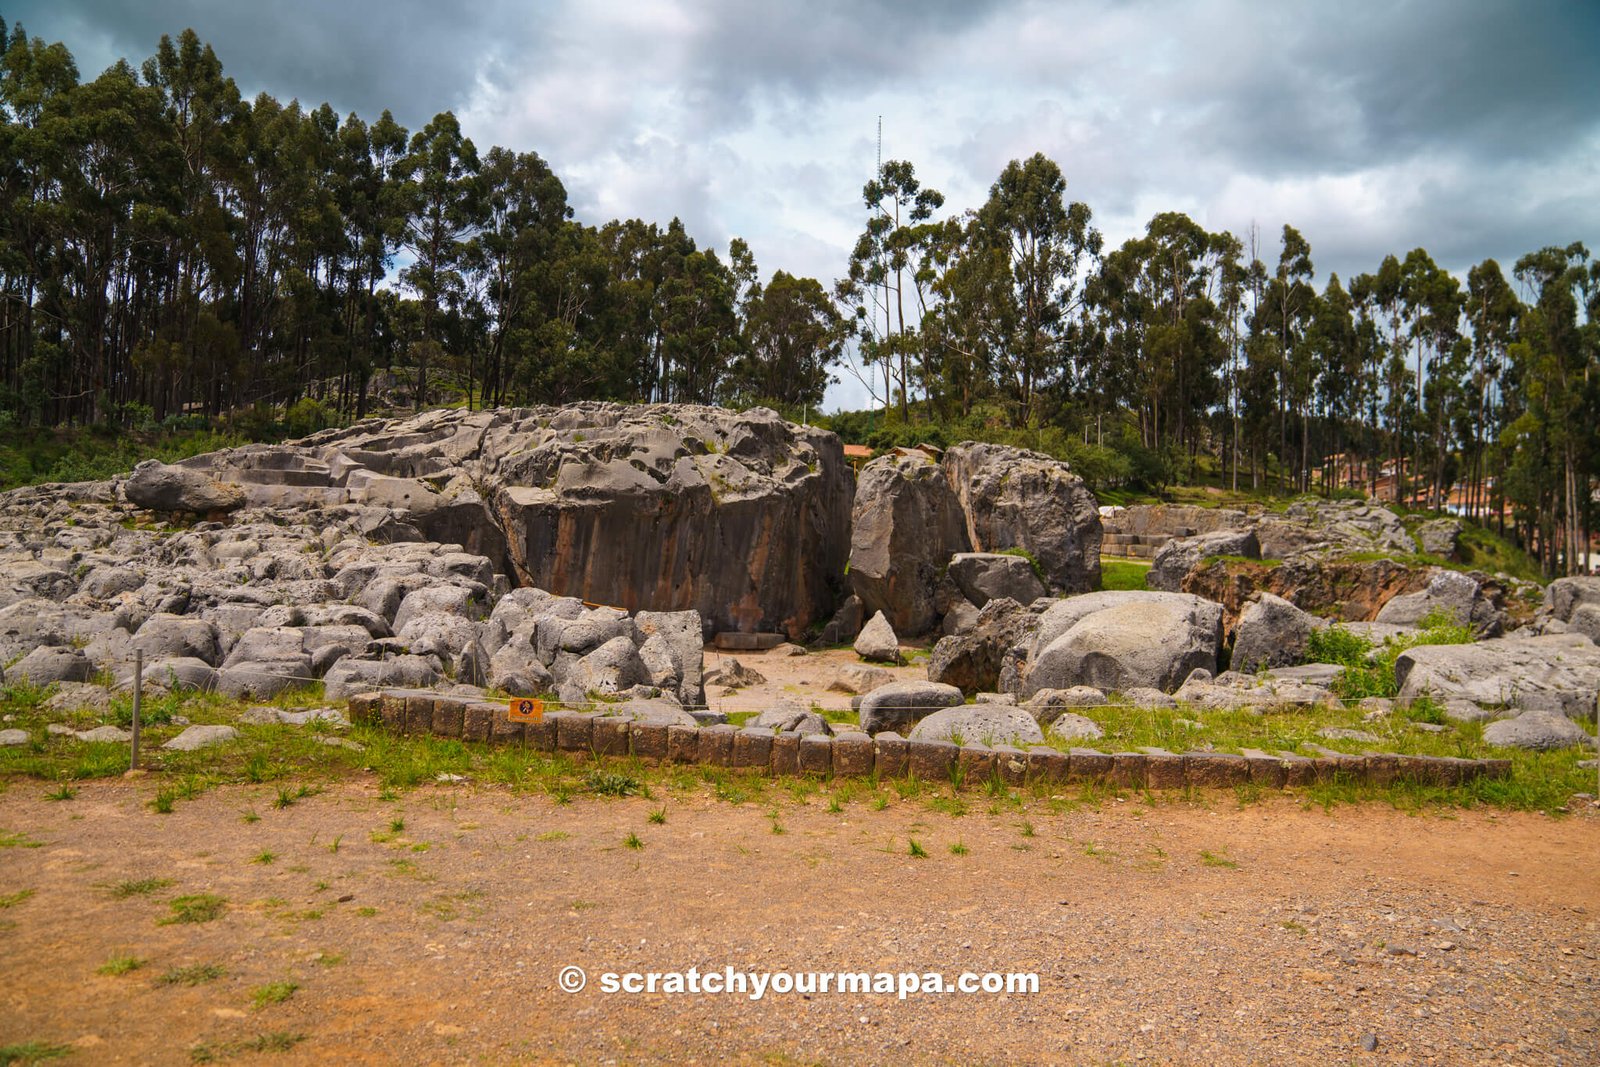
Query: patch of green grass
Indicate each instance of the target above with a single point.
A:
(1122, 573)
(264, 858)
(612, 784)
(120, 965)
(29, 1052)
(273, 993)
(553, 835)
(1217, 859)
(195, 908)
(141, 887)
(193, 975)
(61, 792)
(658, 817)
(958, 849)
(163, 801)
(632, 841)
(11, 900)
(916, 850)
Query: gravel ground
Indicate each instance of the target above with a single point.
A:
(1173, 933)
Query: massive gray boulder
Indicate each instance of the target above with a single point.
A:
(971, 660)
(1272, 633)
(1558, 673)
(986, 576)
(49, 664)
(912, 514)
(984, 724)
(1448, 594)
(1014, 498)
(1539, 730)
(905, 526)
(159, 487)
(901, 704)
(1564, 596)
(1124, 640)
(742, 517)
(1178, 557)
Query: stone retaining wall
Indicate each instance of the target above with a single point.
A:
(858, 755)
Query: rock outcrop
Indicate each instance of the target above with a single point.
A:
(912, 514)
(741, 517)
(972, 660)
(1122, 641)
(1272, 633)
(1558, 673)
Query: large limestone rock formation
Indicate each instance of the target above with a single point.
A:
(1013, 498)
(1559, 673)
(1122, 641)
(912, 514)
(904, 527)
(740, 517)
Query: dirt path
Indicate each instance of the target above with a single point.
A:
(1167, 934)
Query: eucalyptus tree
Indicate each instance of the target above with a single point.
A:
(793, 335)
(1492, 309)
(895, 249)
(1028, 254)
(443, 198)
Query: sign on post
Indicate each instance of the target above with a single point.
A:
(525, 709)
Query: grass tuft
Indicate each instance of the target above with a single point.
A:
(195, 908)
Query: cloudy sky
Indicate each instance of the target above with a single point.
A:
(1468, 127)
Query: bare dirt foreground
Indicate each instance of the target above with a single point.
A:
(1174, 932)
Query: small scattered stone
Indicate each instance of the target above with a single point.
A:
(1341, 733)
(197, 737)
(1369, 1042)
(14, 737)
(104, 734)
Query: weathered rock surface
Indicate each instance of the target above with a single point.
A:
(902, 704)
(1123, 640)
(913, 514)
(905, 525)
(1047, 705)
(643, 507)
(198, 737)
(971, 661)
(1272, 633)
(1538, 730)
(1440, 537)
(788, 716)
(1557, 673)
(1013, 498)
(49, 664)
(877, 641)
(1448, 594)
(986, 724)
(1178, 557)
(859, 679)
(986, 576)
(159, 487)
(1070, 726)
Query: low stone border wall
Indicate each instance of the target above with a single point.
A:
(888, 755)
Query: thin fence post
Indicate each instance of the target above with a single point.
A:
(138, 692)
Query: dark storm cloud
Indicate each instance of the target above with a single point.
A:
(414, 57)
(1352, 85)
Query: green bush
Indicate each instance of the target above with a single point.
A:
(1369, 670)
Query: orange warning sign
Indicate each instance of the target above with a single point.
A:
(525, 709)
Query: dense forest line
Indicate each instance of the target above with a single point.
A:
(171, 254)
